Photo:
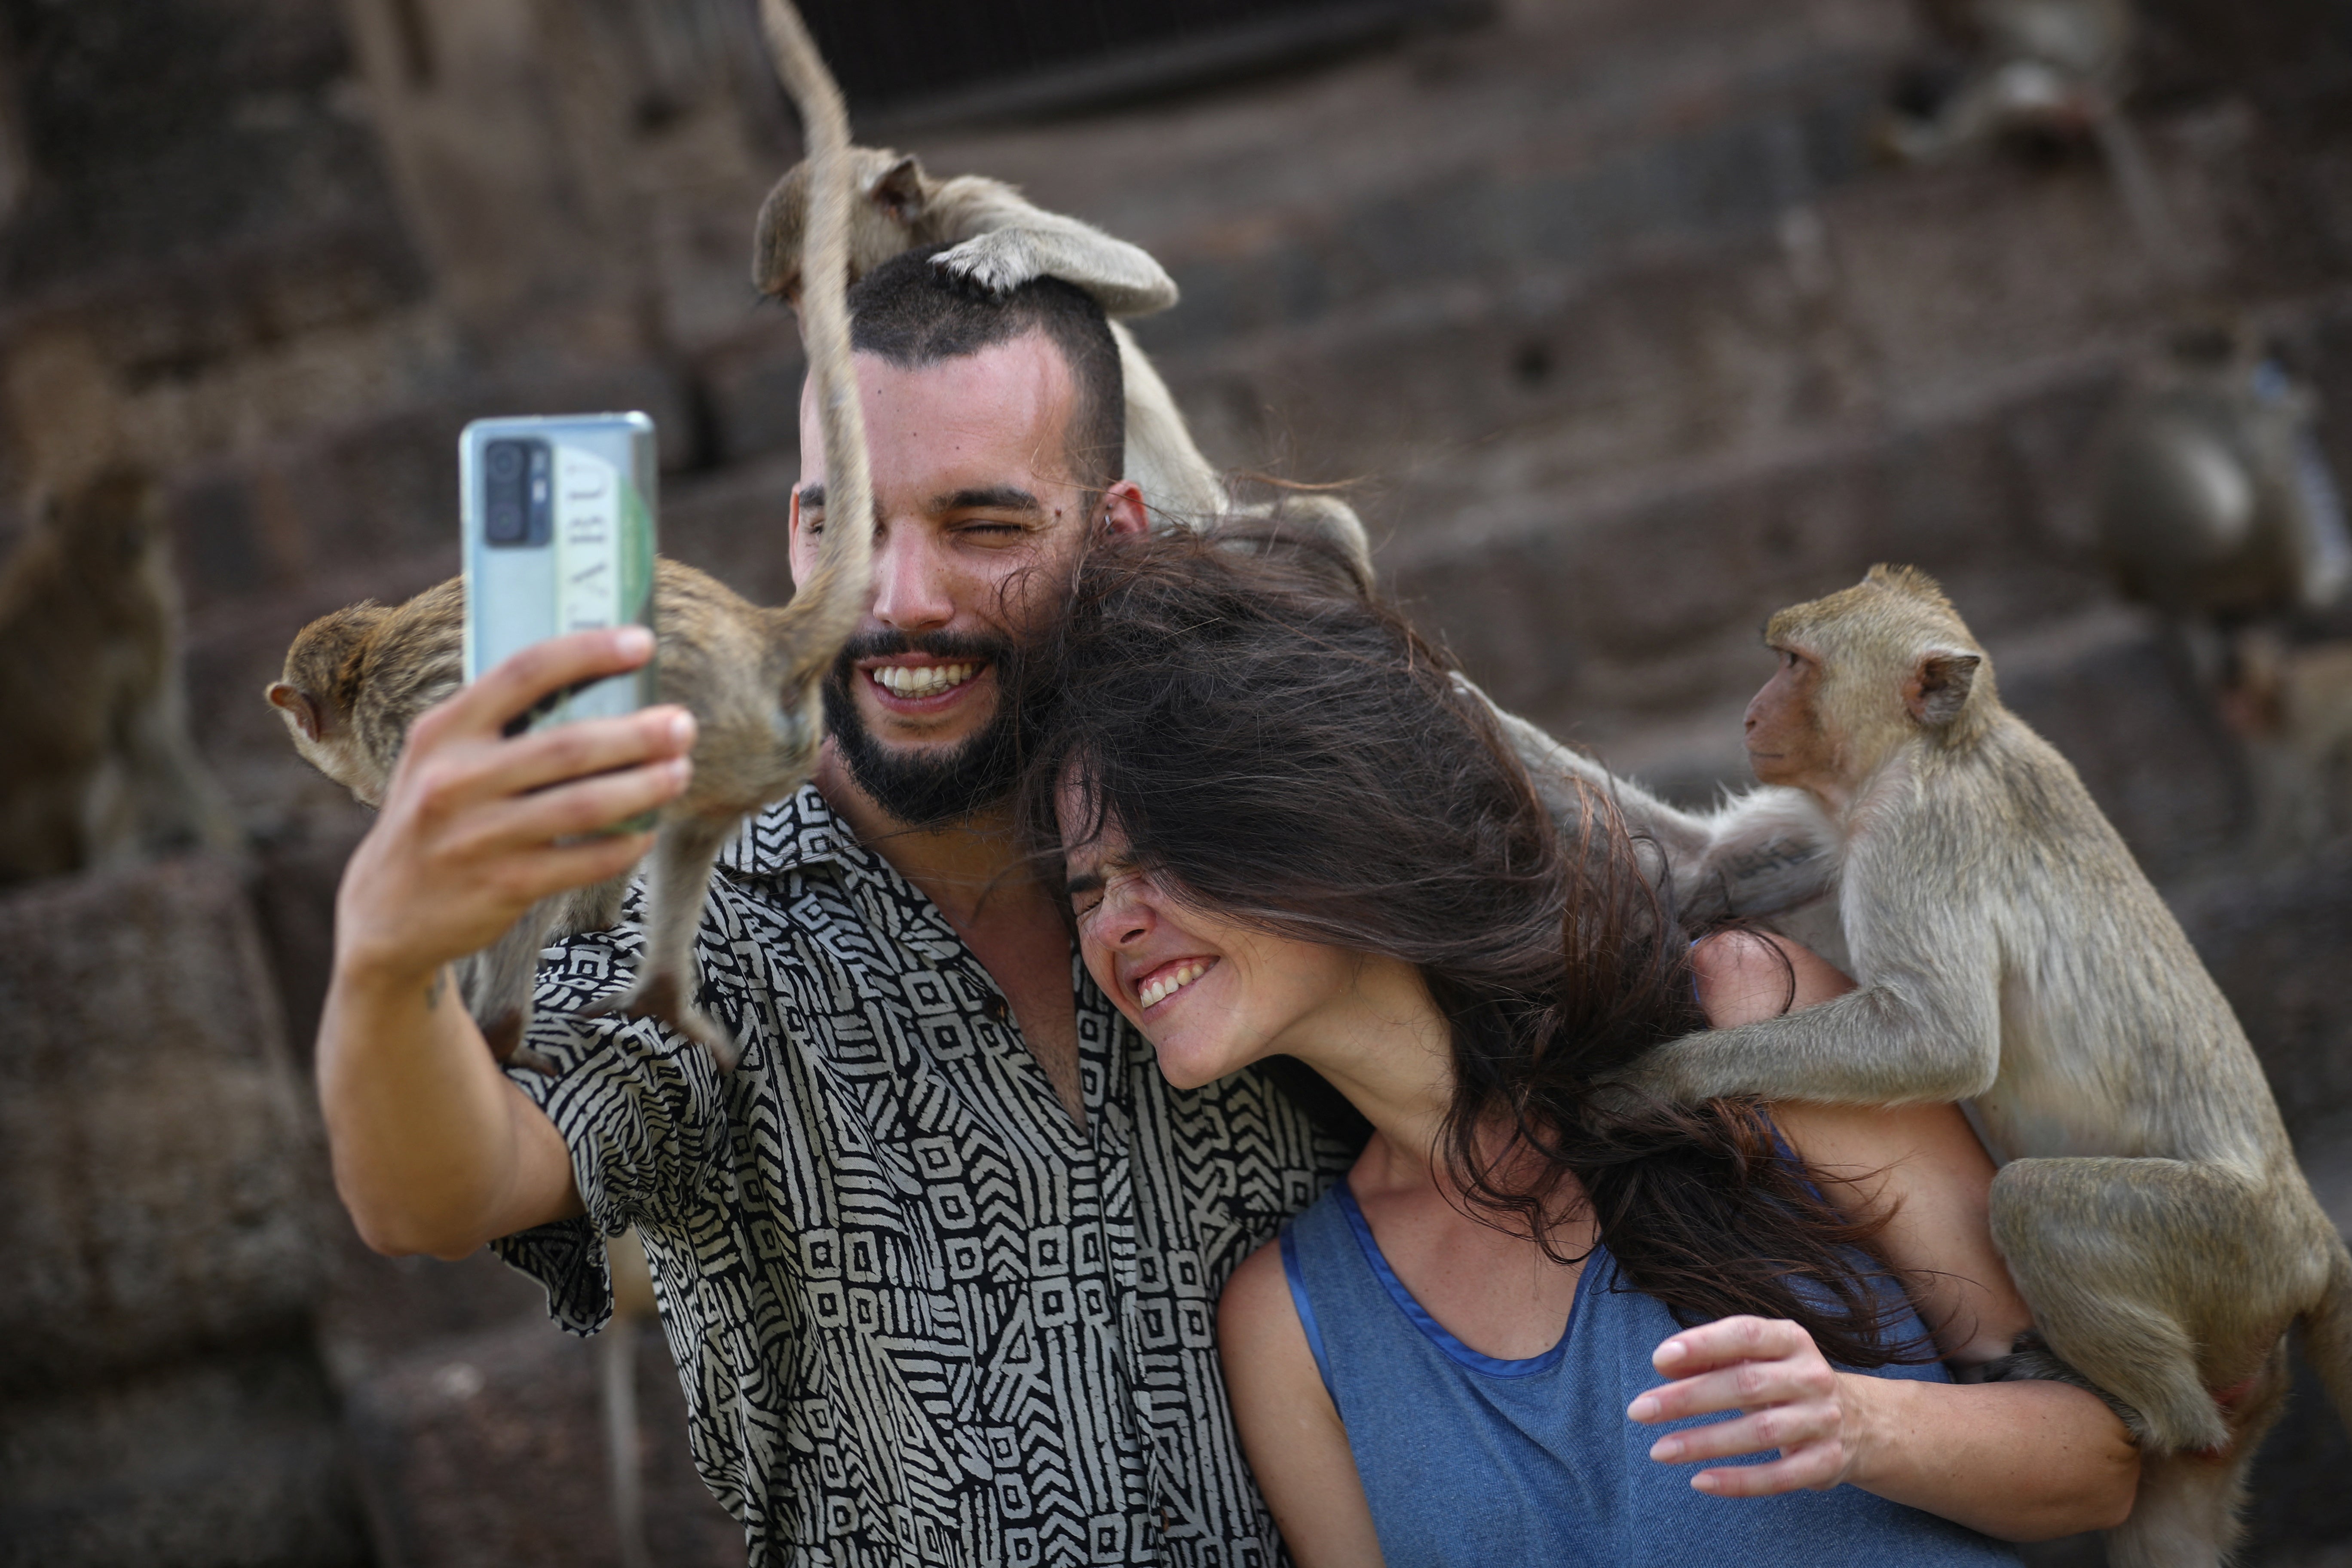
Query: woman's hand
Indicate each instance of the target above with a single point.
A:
(1790, 1397)
(2021, 1461)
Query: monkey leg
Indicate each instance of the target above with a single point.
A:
(2162, 1281)
(2185, 1515)
(683, 855)
(496, 984)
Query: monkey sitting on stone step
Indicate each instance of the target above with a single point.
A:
(997, 240)
(356, 680)
(2008, 951)
(96, 763)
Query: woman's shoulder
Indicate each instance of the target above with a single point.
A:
(1746, 975)
(1856, 1142)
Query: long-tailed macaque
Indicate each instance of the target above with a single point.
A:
(356, 680)
(97, 764)
(2213, 498)
(2008, 951)
(999, 240)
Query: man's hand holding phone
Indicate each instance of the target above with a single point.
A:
(435, 1150)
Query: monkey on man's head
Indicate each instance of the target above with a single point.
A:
(2008, 951)
(997, 240)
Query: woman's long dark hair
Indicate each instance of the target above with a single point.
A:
(1282, 752)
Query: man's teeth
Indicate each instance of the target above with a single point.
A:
(1168, 984)
(922, 679)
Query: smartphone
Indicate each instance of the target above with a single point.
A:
(558, 517)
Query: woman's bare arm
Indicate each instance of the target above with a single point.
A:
(1289, 1429)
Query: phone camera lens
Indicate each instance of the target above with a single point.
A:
(504, 522)
(506, 461)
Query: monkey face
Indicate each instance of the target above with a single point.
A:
(1787, 743)
(894, 190)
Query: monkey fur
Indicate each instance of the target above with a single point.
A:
(1001, 240)
(1763, 853)
(2009, 952)
(356, 680)
(99, 765)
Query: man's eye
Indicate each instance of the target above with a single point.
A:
(1083, 907)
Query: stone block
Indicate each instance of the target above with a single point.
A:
(2277, 943)
(222, 1461)
(488, 1451)
(751, 388)
(162, 1172)
(294, 897)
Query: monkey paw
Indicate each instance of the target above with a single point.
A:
(990, 265)
(659, 996)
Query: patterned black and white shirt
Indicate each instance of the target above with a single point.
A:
(920, 1316)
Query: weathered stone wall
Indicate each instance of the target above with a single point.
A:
(1621, 336)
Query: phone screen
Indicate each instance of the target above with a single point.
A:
(559, 537)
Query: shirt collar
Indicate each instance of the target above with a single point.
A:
(798, 831)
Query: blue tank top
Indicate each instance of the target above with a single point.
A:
(1473, 1462)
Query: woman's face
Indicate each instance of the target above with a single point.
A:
(1210, 996)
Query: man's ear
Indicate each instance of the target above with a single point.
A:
(899, 190)
(1939, 685)
(1123, 508)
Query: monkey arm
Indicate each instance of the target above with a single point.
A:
(1768, 850)
(1013, 240)
(1923, 1030)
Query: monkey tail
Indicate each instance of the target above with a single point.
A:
(2328, 1331)
(827, 607)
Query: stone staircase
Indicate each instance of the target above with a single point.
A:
(1617, 335)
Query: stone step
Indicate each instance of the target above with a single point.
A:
(166, 1170)
(1883, 299)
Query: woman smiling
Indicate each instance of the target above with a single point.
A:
(1510, 1334)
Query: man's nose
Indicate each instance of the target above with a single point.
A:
(910, 585)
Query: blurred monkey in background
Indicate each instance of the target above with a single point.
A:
(2213, 498)
(2214, 504)
(2040, 72)
(96, 763)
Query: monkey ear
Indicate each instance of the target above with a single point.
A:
(303, 707)
(899, 189)
(1938, 686)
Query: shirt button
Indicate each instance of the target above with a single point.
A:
(998, 1008)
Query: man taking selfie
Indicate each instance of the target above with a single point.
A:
(940, 1259)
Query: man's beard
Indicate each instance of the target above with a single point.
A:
(929, 788)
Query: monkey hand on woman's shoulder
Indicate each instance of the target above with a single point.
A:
(2008, 951)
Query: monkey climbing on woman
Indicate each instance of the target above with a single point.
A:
(2009, 952)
